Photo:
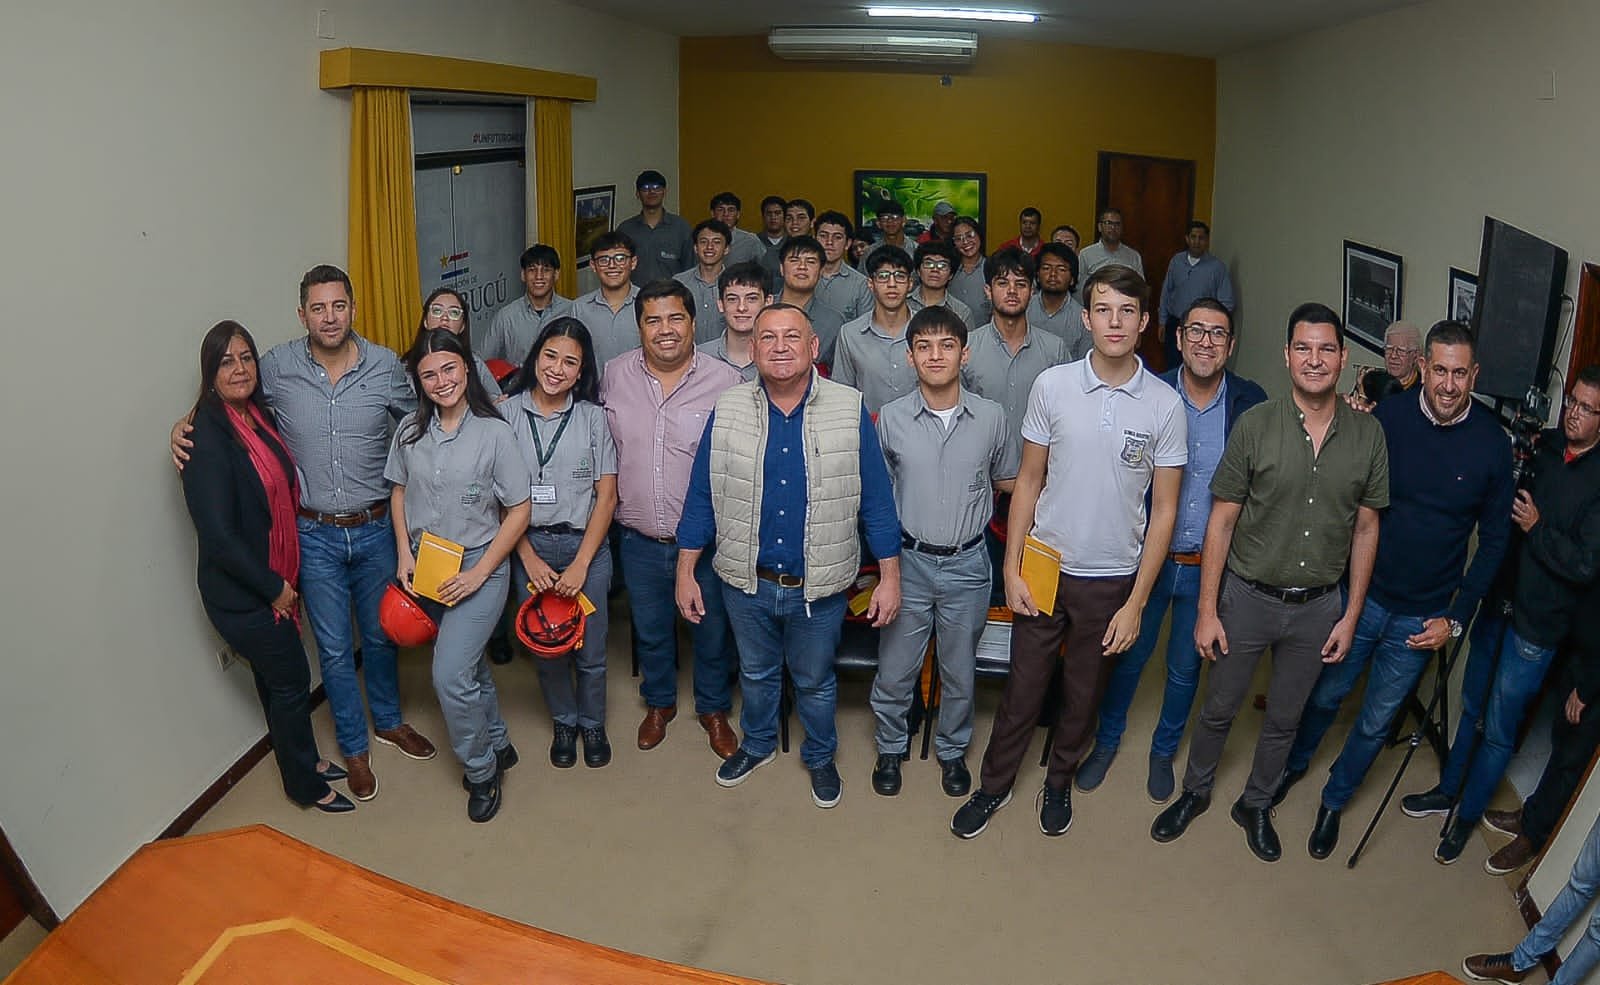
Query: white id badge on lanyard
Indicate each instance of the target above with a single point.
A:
(544, 495)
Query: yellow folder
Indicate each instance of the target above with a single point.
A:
(438, 560)
(1041, 571)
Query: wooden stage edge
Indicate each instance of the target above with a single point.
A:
(254, 905)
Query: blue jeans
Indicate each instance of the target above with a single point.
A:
(652, 576)
(1497, 694)
(1178, 586)
(775, 627)
(343, 568)
(1380, 638)
(1568, 906)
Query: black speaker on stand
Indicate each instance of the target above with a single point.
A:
(1520, 278)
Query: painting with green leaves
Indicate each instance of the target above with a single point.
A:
(918, 192)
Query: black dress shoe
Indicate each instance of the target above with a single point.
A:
(504, 759)
(1324, 834)
(564, 747)
(499, 650)
(1258, 832)
(483, 799)
(1174, 821)
(596, 747)
(1290, 778)
(333, 773)
(886, 775)
(954, 777)
(340, 804)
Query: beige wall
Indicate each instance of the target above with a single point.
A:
(1402, 131)
(168, 164)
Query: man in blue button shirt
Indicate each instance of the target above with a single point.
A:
(788, 467)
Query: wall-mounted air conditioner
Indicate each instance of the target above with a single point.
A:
(873, 44)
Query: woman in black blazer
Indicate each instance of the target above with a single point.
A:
(241, 491)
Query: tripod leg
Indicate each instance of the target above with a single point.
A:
(1372, 825)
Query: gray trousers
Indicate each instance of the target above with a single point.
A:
(1254, 622)
(574, 684)
(948, 597)
(461, 675)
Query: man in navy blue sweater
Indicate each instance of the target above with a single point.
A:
(1449, 471)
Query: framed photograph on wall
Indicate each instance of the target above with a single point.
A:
(1372, 292)
(1462, 297)
(918, 192)
(596, 212)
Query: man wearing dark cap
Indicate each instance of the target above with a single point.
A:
(663, 242)
(944, 217)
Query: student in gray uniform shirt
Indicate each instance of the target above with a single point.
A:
(1007, 354)
(743, 293)
(567, 446)
(800, 266)
(936, 261)
(711, 239)
(516, 325)
(840, 286)
(607, 311)
(969, 280)
(1053, 307)
(662, 241)
(444, 308)
(744, 246)
(948, 451)
(871, 354)
(458, 475)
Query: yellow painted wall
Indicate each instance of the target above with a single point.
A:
(1031, 115)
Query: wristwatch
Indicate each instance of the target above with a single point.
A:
(1456, 629)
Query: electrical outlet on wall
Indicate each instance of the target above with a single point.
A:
(226, 656)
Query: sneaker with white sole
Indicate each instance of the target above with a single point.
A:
(737, 768)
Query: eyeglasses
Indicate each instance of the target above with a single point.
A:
(965, 237)
(1572, 403)
(652, 188)
(891, 277)
(440, 311)
(1196, 332)
(613, 260)
(1399, 350)
(936, 265)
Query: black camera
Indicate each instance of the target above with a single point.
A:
(1525, 427)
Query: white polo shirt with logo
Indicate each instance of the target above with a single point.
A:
(1105, 444)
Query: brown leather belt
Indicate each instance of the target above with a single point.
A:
(1179, 557)
(781, 580)
(376, 511)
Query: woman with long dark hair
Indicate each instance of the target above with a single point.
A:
(241, 492)
(458, 474)
(564, 438)
(444, 308)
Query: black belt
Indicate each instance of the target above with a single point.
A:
(359, 518)
(781, 580)
(1293, 596)
(669, 541)
(937, 550)
(557, 528)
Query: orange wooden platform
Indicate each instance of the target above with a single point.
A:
(1431, 978)
(255, 906)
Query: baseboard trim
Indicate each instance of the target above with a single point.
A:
(1531, 915)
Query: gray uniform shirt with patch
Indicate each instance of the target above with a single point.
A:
(456, 483)
(944, 477)
(575, 462)
(613, 332)
(993, 372)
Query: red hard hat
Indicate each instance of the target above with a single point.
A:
(997, 522)
(403, 618)
(499, 369)
(550, 625)
(866, 581)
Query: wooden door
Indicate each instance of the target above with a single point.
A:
(1156, 196)
(1585, 324)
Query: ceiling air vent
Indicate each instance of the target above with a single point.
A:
(873, 44)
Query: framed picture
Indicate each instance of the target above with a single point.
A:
(596, 211)
(1462, 297)
(1372, 289)
(918, 192)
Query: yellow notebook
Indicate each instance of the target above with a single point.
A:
(438, 560)
(1041, 570)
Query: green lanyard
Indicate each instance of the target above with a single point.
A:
(555, 439)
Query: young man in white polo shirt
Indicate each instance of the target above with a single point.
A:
(1098, 434)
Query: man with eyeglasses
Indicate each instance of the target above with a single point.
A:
(1108, 249)
(518, 324)
(871, 354)
(662, 241)
(711, 238)
(1556, 552)
(800, 267)
(891, 224)
(745, 245)
(1053, 307)
(840, 286)
(607, 311)
(936, 261)
(1295, 506)
(1213, 398)
(1449, 472)
(970, 280)
(1194, 273)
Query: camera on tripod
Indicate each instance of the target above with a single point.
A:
(1525, 426)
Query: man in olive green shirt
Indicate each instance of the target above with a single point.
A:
(1296, 496)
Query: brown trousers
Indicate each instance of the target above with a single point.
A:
(1084, 607)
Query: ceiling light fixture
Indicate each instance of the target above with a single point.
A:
(955, 14)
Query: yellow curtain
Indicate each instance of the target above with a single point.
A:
(552, 165)
(383, 217)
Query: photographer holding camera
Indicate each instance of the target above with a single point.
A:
(1557, 512)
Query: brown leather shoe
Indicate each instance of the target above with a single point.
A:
(724, 742)
(654, 727)
(1511, 857)
(1506, 822)
(408, 740)
(1493, 968)
(362, 783)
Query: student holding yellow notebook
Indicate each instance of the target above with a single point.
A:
(458, 476)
